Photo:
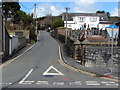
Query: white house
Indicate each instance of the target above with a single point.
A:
(76, 21)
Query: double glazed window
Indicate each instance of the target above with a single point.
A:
(81, 19)
(93, 19)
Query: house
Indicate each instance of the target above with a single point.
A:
(76, 21)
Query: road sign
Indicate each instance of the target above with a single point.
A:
(47, 72)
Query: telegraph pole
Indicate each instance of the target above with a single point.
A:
(112, 51)
(66, 34)
(35, 17)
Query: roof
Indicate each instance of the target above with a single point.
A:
(114, 19)
(106, 22)
(118, 23)
(103, 16)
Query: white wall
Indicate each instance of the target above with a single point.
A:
(103, 26)
(87, 21)
(14, 43)
(70, 24)
(77, 23)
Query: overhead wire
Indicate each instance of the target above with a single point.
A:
(26, 7)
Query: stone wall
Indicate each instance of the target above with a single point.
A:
(101, 55)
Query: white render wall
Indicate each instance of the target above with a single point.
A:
(103, 26)
(77, 24)
(70, 24)
(87, 21)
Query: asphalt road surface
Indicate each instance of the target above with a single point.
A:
(40, 68)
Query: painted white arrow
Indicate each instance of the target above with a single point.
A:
(51, 67)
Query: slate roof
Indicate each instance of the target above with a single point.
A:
(103, 16)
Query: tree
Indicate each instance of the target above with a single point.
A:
(9, 9)
(108, 14)
(100, 11)
(57, 23)
(22, 19)
(19, 16)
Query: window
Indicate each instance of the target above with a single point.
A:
(93, 19)
(82, 19)
(69, 25)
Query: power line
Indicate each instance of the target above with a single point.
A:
(26, 7)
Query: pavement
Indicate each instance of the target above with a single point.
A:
(95, 71)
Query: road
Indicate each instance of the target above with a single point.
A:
(39, 67)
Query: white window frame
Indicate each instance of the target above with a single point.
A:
(69, 25)
(82, 19)
(93, 19)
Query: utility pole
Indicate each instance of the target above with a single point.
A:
(112, 51)
(85, 30)
(66, 34)
(35, 17)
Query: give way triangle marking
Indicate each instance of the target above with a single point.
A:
(48, 73)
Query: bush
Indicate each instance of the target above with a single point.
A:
(57, 23)
(33, 38)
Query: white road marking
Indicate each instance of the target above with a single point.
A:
(5, 83)
(58, 83)
(111, 84)
(60, 52)
(108, 82)
(43, 82)
(51, 67)
(92, 83)
(10, 83)
(75, 83)
(10, 61)
(23, 80)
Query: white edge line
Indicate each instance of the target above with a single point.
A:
(23, 80)
(93, 84)
(4, 64)
(60, 55)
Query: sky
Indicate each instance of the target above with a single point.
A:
(80, 6)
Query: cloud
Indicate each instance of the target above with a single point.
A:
(84, 6)
(85, 2)
(47, 8)
(114, 12)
